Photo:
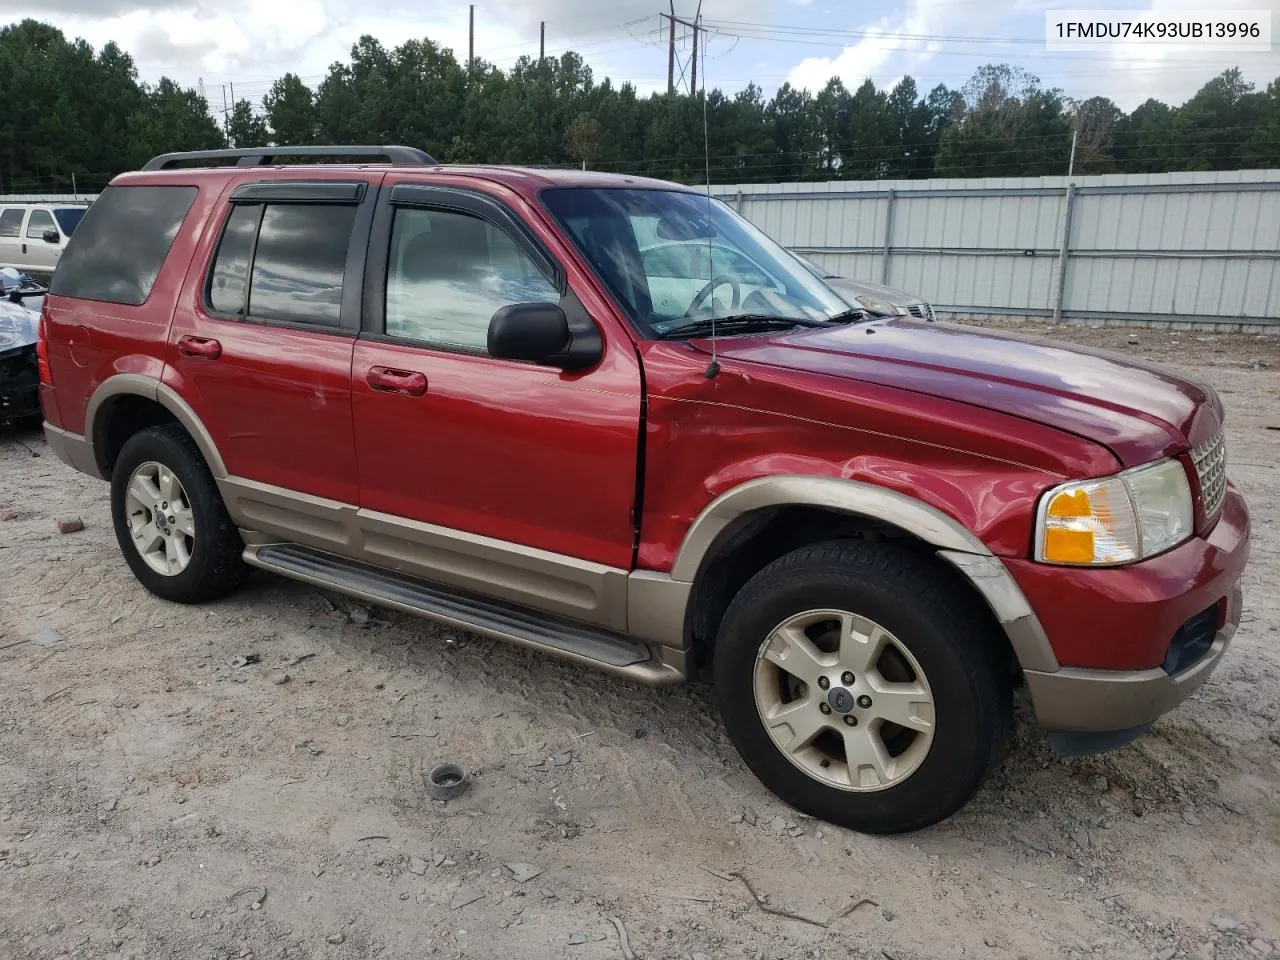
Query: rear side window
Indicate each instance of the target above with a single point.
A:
(10, 222)
(294, 257)
(120, 246)
(300, 261)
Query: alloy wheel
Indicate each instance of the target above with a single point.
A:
(844, 700)
(161, 523)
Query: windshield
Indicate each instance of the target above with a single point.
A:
(69, 218)
(668, 265)
(812, 267)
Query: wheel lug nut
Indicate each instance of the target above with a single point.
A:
(171, 520)
(864, 701)
(165, 505)
(824, 707)
(823, 682)
(850, 720)
(847, 678)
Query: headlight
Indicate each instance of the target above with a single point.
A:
(882, 307)
(1131, 516)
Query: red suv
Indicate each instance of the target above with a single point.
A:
(607, 418)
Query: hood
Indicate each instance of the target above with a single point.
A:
(850, 289)
(1137, 410)
(17, 326)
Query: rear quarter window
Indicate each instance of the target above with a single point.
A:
(69, 218)
(119, 247)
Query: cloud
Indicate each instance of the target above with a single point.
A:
(95, 9)
(253, 41)
(1138, 71)
(897, 45)
(920, 41)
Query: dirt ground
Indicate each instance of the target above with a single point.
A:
(158, 802)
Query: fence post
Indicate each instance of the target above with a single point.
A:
(888, 236)
(738, 204)
(1064, 252)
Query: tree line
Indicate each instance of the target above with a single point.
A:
(72, 111)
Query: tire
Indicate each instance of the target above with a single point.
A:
(208, 566)
(940, 670)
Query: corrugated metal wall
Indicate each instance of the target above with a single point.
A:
(1183, 246)
(47, 197)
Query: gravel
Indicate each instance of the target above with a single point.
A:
(137, 704)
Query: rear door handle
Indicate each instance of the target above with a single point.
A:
(408, 383)
(201, 348)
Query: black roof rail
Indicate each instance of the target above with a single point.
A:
(262, 156)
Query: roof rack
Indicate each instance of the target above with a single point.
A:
(262, 156)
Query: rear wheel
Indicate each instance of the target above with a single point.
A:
(862, 686)
(170, 521)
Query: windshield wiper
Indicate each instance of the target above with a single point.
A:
(739, 323)
(850, 316)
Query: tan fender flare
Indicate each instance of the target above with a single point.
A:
(139, 385)
(952, 540)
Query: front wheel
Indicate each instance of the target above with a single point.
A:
(862, 685)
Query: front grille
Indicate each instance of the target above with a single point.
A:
(1210, 459)
(1192, 641)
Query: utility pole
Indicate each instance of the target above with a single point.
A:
(698, 30)
(671, 50)
(693, 25)
(542, 41)
(1071, 164)
(471, 41)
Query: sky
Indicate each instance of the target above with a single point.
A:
(245, 44)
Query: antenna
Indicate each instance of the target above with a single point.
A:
(713, 368)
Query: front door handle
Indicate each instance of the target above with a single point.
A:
(200, 348)
(408, 383)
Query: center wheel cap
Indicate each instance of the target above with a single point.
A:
(840, 699)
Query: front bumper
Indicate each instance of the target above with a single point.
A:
(1095, 619)
(1094, 701)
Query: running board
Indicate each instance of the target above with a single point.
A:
(566, 638)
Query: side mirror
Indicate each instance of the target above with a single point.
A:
(52, 236)
(539, 333)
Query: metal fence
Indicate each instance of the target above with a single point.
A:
(1188, 247)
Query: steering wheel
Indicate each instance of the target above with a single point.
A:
(707, 290)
